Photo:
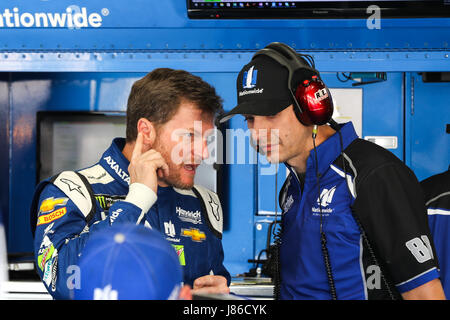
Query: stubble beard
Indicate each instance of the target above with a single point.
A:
(174, 178)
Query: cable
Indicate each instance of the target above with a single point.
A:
(277, 243)
(323, 239)
(310, 60)
(346, 78)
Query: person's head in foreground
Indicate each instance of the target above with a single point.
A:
(129, 262)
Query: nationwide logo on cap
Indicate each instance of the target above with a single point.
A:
(249, 80)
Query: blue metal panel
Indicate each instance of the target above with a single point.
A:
(131, 35)
(270, 180)
(154, 24)
(223, 61)
(383, 110)
(263, 235)
(241, 198)
(427, 114)
(27, 95)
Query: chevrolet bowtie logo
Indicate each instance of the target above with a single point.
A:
(195, 234)
(49, 204)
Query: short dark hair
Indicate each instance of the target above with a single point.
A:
(158, 95)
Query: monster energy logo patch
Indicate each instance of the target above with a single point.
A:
(106, 200)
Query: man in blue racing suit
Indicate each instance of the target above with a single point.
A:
(148, 179)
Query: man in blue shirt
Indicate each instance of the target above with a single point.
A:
(148, 179)
(353, 224)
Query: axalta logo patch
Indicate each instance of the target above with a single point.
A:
(73, 17)
(117, 169)
(52, 216)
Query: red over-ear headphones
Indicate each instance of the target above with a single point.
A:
(313, 104)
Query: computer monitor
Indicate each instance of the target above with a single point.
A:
(315, 9)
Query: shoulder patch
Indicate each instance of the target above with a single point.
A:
(96, 174)
(212, 207)
(72, 184)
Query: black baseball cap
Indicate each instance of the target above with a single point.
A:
(261, 89)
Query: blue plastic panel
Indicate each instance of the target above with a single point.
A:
(209, 61)
(239, 199)
(427, 114)
(155, 24)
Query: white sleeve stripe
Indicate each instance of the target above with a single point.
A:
(438, 211)
(413, 278)
(361, 266)
(348, 177)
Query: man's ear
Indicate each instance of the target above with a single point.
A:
(147, 129)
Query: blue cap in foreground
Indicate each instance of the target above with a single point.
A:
(128, 262)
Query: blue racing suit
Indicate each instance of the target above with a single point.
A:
(70, 206)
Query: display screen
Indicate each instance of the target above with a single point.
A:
(74, 140)
(297, 9)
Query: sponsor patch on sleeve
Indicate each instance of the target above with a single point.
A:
(49, 204)
(52, 216)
